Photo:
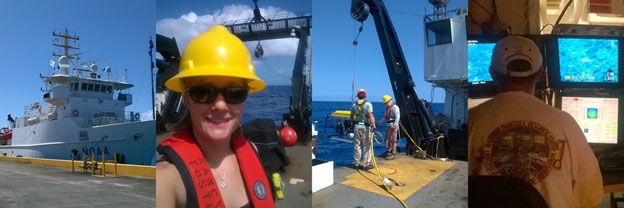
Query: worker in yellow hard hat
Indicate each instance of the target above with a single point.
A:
(392, 118)
(208, 162)
(362, 116)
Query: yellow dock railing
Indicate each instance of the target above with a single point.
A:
(91, 164)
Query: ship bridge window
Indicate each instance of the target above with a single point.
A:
(84, 87)
(439, 32)
(97, 87)
(109, 89)
(75, 85)
(90, 87)
(103, 89)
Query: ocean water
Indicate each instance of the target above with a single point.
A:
(588, 60)
(272, 102)
(342, 152)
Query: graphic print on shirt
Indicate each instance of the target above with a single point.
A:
(521, 149)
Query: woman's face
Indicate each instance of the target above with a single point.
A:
(219, 119)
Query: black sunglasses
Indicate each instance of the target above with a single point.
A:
(207, 94)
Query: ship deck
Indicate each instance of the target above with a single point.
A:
(428, 183)
(26, 185)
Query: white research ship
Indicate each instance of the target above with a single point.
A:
(84, 114)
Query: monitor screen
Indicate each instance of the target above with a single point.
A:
(588, 60)
(479, 58)
(597, 117)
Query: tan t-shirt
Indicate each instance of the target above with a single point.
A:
(516, 134)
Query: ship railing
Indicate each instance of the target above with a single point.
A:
(104, 120)
(84, 73)
(278, 16)
(33, 106)
(445, 14)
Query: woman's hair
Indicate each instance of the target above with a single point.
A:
(185, 120)
(183, 123)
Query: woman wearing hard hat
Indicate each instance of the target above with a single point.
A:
(208, 162)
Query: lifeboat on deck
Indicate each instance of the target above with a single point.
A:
(5, 135)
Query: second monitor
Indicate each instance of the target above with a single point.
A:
(597, 117)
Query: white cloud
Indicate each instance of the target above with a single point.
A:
(285, 73)
(146, 115)
(191, 24)
(256, 63)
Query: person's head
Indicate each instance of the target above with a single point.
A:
(216, 74)
(516, 64)
(387, 100)
(361, 94)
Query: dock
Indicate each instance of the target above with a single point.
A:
(27, 185)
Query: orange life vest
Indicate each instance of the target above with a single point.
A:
(388, 111)
(200, 185)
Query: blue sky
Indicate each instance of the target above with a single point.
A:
(186, 19)
(333, 55)
(114, 29)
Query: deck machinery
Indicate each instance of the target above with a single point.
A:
(259, 28)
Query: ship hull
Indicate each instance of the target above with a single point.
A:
(134, 142)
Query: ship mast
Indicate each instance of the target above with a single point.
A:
(66, 44)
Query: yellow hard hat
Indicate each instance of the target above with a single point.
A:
(216, 53)
(386, 98)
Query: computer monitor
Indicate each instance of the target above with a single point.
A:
(585, 62)
(588, 60)
(597, 117)
(479, 58)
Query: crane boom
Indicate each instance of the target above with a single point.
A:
(414, 116)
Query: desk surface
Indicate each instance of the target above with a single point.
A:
(613, 180)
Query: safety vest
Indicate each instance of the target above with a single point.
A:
(200, 185)
(389, 118)
(362, 116)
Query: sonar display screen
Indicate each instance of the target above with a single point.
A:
(588, 60)
(597, 117)
(479, 58)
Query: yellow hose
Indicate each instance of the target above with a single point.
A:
(375, 161)
(377, 169)
(408, 136)
(382, 138)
